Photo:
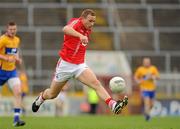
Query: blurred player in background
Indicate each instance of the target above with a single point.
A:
(72, 64)
(24, 87)
(9, 57)
(93, 100)
(146, 76)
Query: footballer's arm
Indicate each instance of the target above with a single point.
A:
(10, 58)
(71, 31)
(137, 79)
(3, 57)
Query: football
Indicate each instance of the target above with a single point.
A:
(117, 84)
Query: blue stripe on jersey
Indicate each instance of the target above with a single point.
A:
(11, 50)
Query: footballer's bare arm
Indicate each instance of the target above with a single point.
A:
(3, 57)
(70, 31)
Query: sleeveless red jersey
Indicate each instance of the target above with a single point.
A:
(73, 51)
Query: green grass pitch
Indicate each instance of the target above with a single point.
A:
(93, 122)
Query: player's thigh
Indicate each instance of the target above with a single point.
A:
(89, 78)
(151, 102)
(56, 87)
(146, 100)
(15, 85)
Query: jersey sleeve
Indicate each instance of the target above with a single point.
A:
(1, 42)
(74, 23)
(137, 73)
(155, 71)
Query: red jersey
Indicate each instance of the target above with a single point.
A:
(73, 50)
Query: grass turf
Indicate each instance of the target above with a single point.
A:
(93, 122)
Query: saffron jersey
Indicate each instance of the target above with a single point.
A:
(8, 46)
(73, 50)
(143, 73)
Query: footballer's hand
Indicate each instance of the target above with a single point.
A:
(84, 39)
(18, 60)
(11, 59)
(139, 81)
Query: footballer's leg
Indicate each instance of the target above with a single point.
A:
(147, 107)
(14, 84)
(49, 93)
(88, 78)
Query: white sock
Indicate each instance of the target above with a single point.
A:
(112, 104)
(40, 100)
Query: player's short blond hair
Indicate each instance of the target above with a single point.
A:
(87, 12)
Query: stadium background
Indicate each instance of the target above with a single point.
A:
(132, 28)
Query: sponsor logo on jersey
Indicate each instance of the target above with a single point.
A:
(11, 50)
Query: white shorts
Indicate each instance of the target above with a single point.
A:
(65, 70)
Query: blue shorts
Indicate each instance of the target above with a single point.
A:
(150, 94)
(6, 75)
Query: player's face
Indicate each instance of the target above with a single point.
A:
(146, 62)
(89, 21)
(11, 30)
